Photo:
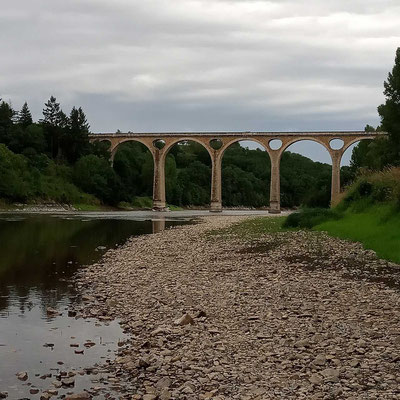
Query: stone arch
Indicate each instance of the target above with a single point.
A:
(121, 141)
(170, 144)
(287, 143)
(230, 142)
(347, 144)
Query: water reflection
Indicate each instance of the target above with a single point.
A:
(38, 254)
(43, 251)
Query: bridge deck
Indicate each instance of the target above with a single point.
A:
(241, 134)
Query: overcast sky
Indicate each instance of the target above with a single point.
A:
(181, 65)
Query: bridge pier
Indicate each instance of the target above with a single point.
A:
(275, 184)
(159, 203)
(335, 186)
(216, 192)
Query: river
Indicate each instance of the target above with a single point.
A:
(38, 256)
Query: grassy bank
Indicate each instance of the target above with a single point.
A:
(377, 227)
(369, 213)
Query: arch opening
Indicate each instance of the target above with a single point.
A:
(336, 144)
(246, 175)
(216, 144)
(188, 174)
(159, 144)
(134, 166)
(306, 175)
(275, 144)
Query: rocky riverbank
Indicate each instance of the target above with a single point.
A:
(215, 315)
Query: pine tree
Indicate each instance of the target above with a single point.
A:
(78, 121)
(25, 116)
(52, 112)
(75, 142)
(390, 111)
(6, 122)
(55, 123)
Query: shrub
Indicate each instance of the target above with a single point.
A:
(310, 217)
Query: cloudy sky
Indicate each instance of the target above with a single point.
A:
(182, 65)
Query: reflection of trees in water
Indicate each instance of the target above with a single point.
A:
(38, 251)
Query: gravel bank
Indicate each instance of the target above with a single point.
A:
(291, 315)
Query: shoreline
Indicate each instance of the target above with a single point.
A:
(214, 315)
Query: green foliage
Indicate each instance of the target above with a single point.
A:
(304, 182)
(372, 188)
(16, 181)
(133, 163)
(94, 175)
(376, 226)
(25, 116)
(142, 202)
(75, 139)
(310, 217)
(369, 213)
(390, 110)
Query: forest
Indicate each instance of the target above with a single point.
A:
(52, 160)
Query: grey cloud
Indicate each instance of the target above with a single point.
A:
(202, 65)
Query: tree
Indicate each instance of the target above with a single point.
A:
(54, 121)
(390, 111)
(75, 141)
(25, 116)
(6, 122)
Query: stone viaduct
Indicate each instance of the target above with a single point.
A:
(274, 143)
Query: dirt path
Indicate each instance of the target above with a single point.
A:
(287, 316)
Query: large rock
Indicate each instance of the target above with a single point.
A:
(79, 396)
(186, 319)
(22, 376)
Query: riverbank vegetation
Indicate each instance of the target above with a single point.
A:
(369, 213)
(369, 210)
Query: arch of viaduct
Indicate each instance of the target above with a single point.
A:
(225, 139)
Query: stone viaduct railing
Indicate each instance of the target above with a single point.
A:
(159, 145)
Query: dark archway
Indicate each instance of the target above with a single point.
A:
(306, 175)
(188, 174)
(134, 165)
(246, 175)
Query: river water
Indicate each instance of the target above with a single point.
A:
(38, 254)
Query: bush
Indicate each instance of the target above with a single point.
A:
(310, 217)
(94, 175)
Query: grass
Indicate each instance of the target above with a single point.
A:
(143, 202)
(377, 228)
(369, 212)
(252, 228)
(174, 208)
